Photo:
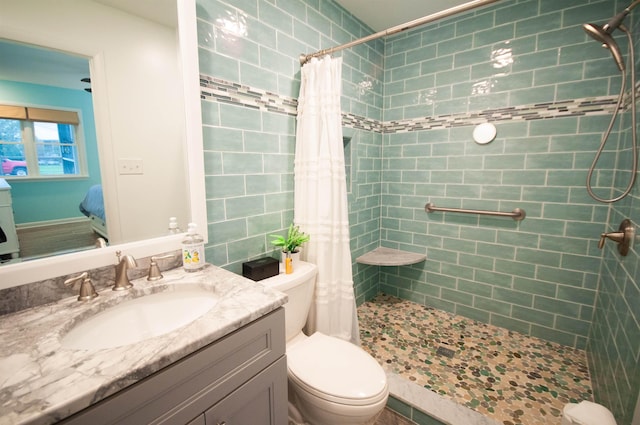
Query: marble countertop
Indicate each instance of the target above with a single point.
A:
(42, 382)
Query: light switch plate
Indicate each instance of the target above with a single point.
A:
(130, 166)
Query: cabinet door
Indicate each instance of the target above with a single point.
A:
(260, 401)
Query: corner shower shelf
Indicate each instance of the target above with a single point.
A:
(382, 256)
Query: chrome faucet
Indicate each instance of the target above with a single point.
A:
(122, 280)
(87, 291)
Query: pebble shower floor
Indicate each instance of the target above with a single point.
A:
(510, 377)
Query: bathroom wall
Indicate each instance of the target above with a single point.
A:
(614, 341)
(249, 60)
(529, 68)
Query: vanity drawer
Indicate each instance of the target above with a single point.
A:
(182, 391)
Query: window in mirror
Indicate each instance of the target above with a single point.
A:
(12, 148)
(38, 148)
(56, 149)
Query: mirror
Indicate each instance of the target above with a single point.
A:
(56, 201)
(133, 74)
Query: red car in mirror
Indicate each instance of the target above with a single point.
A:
(14, 168)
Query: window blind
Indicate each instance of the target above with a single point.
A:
(39, 114)
(13, 112)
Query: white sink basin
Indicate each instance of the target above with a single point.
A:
(140, 318)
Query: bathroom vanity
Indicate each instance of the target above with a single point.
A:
(226, 366)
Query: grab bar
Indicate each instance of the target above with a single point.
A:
(517, 214)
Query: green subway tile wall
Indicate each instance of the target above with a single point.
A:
(249, 152)
(614, 339)
(544, 276)
(496, 57)
(556, 245)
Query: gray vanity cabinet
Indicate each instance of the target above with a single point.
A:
(240, 379)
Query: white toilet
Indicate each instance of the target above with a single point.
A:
(331, 381)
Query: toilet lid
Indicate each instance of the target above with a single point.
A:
(336, 368)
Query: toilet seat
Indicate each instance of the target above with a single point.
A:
(337, 371)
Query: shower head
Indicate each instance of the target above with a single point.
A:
(603, 35)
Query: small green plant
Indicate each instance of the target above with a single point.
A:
(294, 239)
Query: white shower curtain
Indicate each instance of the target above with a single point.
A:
(320, 198)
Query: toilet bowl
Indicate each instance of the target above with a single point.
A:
(334, 382)
(331, 381)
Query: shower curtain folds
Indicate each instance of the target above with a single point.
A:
(320, 199)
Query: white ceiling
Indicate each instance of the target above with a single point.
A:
(378, 14)
(161, 11)
(383, 14)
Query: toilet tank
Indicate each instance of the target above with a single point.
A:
(299, 287)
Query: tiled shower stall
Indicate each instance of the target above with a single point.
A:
(410, 103)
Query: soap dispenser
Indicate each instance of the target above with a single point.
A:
(192, 250)
(173, 226)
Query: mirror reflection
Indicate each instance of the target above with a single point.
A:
(48, 154)
(128, 140)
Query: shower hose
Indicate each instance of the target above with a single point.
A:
(605, 136)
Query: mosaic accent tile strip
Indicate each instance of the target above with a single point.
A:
(578, 107)
(362, 123)
(510, 377)
(219, 90)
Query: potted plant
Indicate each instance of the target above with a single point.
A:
(291, 242)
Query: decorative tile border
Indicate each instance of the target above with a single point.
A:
(218, 90)
(362, 123)
(578, 107)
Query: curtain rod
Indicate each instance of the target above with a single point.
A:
(304, 58)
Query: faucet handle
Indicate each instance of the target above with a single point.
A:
(618, 237)
(87, 291)
(154, 270)
(623, 237)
